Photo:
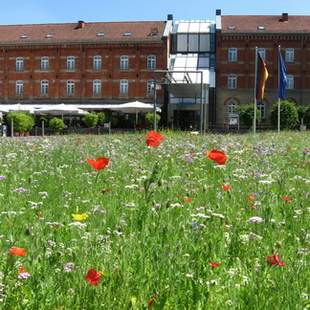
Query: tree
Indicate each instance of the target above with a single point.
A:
(90, 120)
(246, 114)
(101, 118)
(149, 117)
(22, 121)
(56, 124)
(289, 115)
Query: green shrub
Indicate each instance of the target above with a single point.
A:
(149, 117)
(246, 114)
(22, 122)
(101, 118)
(90, 120)
(56, 124)
(307, 116)
(289, 115)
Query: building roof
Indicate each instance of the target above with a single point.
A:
(265, 24)
(94, 32)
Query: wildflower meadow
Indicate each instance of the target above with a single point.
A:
(155, 221)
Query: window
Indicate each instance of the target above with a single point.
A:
(19, 88)
(232, 107)
(193, 42)
(44, 88)
(290, 82)
(289, 55)
(232, 54)
(151, 62)
(44, 63)
(97, 88)
(123, 87)
(150, 88)
(182, 43)
(124, 63)
(262, 53)
(70, 88)
(203, 61)
(204, 42)
(71, 63)
(261, 108)
(232, 81)
(97, 63)
(19, 64)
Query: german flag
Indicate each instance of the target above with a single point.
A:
(261, 77)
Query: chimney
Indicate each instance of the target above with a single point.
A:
(80, 24)
(284, 17)
(218, 12)
(170, 17)
(218, 19)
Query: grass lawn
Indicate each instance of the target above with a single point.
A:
(163, 228)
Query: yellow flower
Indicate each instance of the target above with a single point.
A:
(80, 217)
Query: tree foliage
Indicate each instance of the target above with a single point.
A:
(289, 115)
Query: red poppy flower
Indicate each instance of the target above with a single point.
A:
(15, 251)
(287, 199)
(151, 301)
(188, 199)
(218, 156)
(154, 139)
(226, 187)
(274, 260)
(21, 270)
(251, 197)
(100, 163)
(214, 265)
(93, 277)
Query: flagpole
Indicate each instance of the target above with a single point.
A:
(255, 77)
(279, 100)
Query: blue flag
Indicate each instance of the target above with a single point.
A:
(282, 77)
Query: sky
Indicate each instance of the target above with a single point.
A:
(58, 11)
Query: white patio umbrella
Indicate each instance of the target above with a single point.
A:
(59, 109)
(19, 108)
(134, 107)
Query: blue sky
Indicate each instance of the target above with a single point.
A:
(40, 11)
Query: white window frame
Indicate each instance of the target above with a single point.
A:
(151, 62)
(19, 88)
(123, 88)
(71, 63)
(262, 52)
(261, 107)
(232, 54)
(231, 107)
(232, 81)
(44, 85)
(70, 88)
(150, 88)
(289, 55)
(97, 88)
(44, 63)
(124, 62)
(19, 64)
(97, 63)
(290, 81)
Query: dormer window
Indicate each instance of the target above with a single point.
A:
(100, 34)
(154, 32)
(49, 36)
(127, 34)
(24, 36)
(260, 27)
(231, 27)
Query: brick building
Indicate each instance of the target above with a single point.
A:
(237, 37)
(81, 63)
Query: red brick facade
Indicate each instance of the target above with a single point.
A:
(232, 35)
(84, 74)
